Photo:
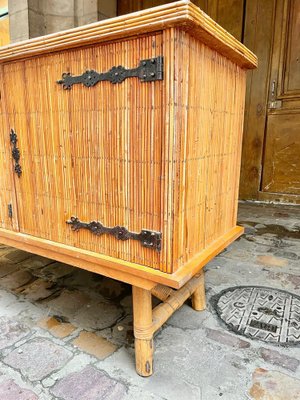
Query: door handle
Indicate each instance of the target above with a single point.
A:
(274, 104)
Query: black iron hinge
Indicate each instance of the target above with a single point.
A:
(150, 239)
(148, 71)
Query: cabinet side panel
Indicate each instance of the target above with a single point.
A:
(210, 108)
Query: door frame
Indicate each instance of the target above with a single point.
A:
(263, 35)
(276, 90)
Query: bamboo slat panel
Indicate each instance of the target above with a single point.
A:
(209, 115)
(94, 153)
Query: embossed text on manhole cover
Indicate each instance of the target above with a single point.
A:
(262, 313)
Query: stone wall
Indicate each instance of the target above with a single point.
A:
(32, 18)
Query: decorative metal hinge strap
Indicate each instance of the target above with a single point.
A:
(150, 239)
(15, 152)
(148, 71)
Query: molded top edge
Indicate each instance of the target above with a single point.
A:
(182, 14)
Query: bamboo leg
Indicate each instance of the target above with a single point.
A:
(143, 333)
(198, 297)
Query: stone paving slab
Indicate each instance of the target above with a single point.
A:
(56, 327)
(39, 290)
(6, 269)
(38, 358)
(94, 345)
(16, 279)
(273, 385)
(227, 339)
(89, 384)
(68, 303)
(279, 359)
(11, 332)
(9, 390)
(55, 271)
(16, 256)
(169, 387)
(98, 315)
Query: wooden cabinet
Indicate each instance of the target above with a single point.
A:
(128, 135)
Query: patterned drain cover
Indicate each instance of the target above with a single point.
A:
(261, 313)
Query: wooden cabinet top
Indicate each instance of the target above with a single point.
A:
(181, 14)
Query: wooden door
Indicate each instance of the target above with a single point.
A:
(281, 163)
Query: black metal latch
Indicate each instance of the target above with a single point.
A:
(10, 211)
(150, 239)
(148, 71)
(15, 152)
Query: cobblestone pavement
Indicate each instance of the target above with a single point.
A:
(67, 334)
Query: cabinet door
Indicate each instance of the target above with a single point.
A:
(8, 209)
(90, 152)
(27, 107)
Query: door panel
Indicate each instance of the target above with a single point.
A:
(25, 109)
(291, 73)
(281, 167)
(89, 152)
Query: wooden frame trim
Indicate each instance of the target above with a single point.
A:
(182, 14)
(134, 274)
(259, 36)
(279, 198)
(286, 12)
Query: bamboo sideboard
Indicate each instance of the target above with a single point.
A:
(120, 147)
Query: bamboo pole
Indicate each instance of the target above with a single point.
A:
(162, 292)
(163, 311)
(198, 297)
(142, 314)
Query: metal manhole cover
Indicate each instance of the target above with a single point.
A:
(260, 313)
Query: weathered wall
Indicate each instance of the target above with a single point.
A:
(228, 13)
(32, 18)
